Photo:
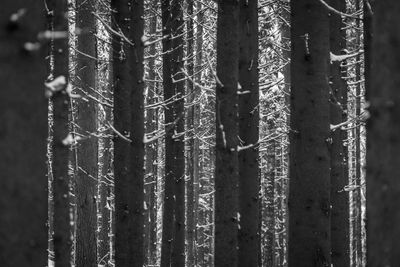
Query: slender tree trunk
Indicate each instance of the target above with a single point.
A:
(383, 127)
(309, 189)
(340, 213)
(226, 166)
(104, 115)
(136, 185)
(270, 214)
(249, 181)
(60, 151)
(196, 154)
(173, 240)
(86, 183)
(23, 133)
(190, 233)
(151, 153)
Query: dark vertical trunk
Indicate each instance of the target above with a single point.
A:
(129, 121)
(23, 133)
(173, 240)
(86, 184)
(190, 233)
(269, 252)
(226, 164)
(309, 190)
(340, 213)
(136, 185)
(383, 144)
(249, 182)
(122, 83)
(151, 153)
(60, 152)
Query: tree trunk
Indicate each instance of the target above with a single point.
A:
(249, 181)
(86, 182)
(309, 189)
(23, 133)
(129, 121)
(340, 213)
(383, 144)
(190, 233)
(173, 239)
(60, 152)
(136, 185)
(226, 165)
(151, 153)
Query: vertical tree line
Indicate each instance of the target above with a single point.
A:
(199, 133)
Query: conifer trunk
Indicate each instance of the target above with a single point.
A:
(383, 143)
(86, 183)
(226, 161)
(60, 103)
(309, 189)
(249, 181)
(23, 113)
(340, 214)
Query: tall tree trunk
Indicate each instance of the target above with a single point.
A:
(173, 239)
(129, 121)
(122, 82)
(270, 181)
(309, 189)
(249, 181)
(86, 183)
(23, 133)
(340, 213)
(383, 144)
(136, 185)
(60, 151)
(190, 233)
(226, 165)
(152, 152)
(104, 115)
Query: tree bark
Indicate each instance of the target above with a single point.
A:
(152, 153)
(226, 165)
(249, 181)
(60, 152)
(23, 133)
(309, 189)
(173, 239)
(129, 121)
(86, 182)
(383, 144)
(340, 213)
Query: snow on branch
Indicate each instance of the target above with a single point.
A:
(341, 58)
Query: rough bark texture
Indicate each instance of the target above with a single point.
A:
(383, 143)
(309, 189)
(60, 152)
(151, 153)
(226, 162)
(23, 132)
(340, 213)
(191, 150)
(249, 181)
(86, 183)
(136, 185)
(129, 121)
(122, 82)
(173, 239)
